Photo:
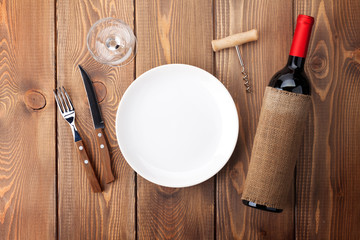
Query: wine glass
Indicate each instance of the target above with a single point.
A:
(112, 42)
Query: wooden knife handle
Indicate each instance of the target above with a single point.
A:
(85, 161)
(236, 39)
(104, 155)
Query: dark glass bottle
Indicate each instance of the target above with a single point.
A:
(261, 207)
(292, 77)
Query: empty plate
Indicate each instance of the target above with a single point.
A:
(177, 125)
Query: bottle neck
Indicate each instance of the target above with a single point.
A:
(301, 37)
(295, 62)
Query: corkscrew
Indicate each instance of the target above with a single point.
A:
(234, 41)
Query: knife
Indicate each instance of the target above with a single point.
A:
(98, 125)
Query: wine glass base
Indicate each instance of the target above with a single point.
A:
(112, 42)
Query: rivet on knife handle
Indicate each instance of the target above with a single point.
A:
(98, 125)
(104, 155)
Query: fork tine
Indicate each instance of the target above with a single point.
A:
(64, 100)
(68, 98)
(60, 106)
(61, 100)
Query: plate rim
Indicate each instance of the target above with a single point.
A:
(199, 179)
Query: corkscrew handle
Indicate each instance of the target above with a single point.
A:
(235, 40)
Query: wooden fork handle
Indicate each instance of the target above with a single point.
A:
(104, 155)
(85, 162)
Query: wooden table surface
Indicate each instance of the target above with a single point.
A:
(44, 193)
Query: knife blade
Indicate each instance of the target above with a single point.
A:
(94, 106)
(98, 125)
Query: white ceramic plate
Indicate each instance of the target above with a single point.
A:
(177, 125)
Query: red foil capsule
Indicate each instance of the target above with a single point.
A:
(301, 36)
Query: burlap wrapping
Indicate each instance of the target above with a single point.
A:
(276, 147)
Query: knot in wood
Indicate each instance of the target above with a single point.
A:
(262, 233)
(100, 90)
(34, 99)
(318, 63)
(356, 55)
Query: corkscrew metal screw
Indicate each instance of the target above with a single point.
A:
(245, 76)
(234, 41)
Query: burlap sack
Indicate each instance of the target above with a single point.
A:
(276, 147)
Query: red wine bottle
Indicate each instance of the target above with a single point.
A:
(292, 77)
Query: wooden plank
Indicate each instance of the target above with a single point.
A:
(262, 59)
(83, 214)
(174, 32)
(328, 179)
(27, 120)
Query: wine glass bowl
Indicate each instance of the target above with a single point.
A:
(111, 41)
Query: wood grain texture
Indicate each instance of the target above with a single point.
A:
(40, 43)
(262, 59)
(328, 180)
(174, 32)
(27, 120)
(83, 214)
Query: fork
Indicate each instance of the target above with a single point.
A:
(68, 112)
